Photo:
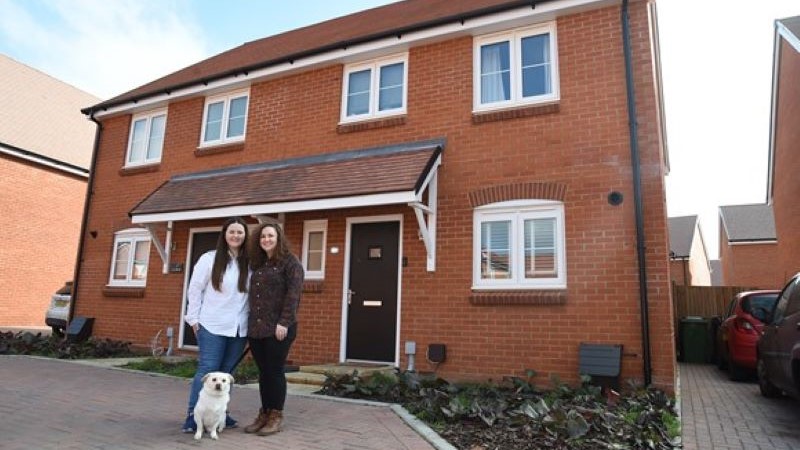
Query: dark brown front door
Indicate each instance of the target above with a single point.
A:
(201, 243)
(372, 298)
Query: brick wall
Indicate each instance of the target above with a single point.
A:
(582, 144)
(786, 183)
(751, 265)
(41, 220)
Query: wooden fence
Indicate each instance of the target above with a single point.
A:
(703, 301)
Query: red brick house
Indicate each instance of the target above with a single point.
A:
(43, 176)
(782, 181)
(457, 173)
(688, 259)
(748, 246)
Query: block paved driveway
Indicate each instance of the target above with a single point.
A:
(50, 404)
(721, 414)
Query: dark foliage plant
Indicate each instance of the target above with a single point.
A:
(515, 414)
(26, 343)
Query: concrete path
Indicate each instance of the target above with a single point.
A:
(50, 404)
(719, 414)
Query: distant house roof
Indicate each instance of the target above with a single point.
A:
(747, 223)
(394, 20)
(789, 28)
(681, 234)
(41, 115)
(366, 177)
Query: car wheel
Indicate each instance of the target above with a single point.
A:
(764, 385)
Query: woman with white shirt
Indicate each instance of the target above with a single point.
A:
(217, 310)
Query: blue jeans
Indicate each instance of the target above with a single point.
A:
(214, 354)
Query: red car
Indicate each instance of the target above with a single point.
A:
(740, 330)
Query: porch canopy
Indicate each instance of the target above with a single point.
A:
(397, 174)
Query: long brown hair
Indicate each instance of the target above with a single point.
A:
(258, 257)
(223, 257)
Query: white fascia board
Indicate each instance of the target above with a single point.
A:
(44, 162)
(273, 208)
(793, 40)
(479, 25)
(766, 241)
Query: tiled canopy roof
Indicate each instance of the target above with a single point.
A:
(394, 169)
(390, 20)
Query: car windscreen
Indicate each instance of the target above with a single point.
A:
(759, 306)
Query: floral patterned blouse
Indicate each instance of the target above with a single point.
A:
(274, 296)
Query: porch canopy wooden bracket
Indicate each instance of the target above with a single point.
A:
(391, 175)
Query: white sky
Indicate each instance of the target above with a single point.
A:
(716, 67)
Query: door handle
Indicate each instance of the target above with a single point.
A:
(350, 294)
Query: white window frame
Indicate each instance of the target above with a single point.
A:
(517, 211)
(311, 226)
(374, 65)
(514, 38)
(133, 236)
(226, 103)
(147, 116)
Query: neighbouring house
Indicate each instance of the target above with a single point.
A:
(45, 153)
(716, 272)
(747, 246)
(688, 259)
(783, 185)
(460, 175)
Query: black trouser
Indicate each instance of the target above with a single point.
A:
(270, 356)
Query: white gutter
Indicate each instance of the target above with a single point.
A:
(83, 173)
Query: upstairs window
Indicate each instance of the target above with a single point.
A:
(375, 88)
(130, 258)
(516, 68)
(224, 119)
(519, 245)
(146, 140)
(314, 233)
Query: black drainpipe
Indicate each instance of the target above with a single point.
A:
(637, 193)
(85, 219)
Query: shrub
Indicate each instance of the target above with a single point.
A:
(26, 343)
(515, 414)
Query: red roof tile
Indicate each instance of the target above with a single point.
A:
(400, 168)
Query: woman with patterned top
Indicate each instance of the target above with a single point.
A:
(275, 287)
(217, 309)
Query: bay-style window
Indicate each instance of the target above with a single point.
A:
(146, 139)
(515, 68)
(314, 234)
(130, 258)
(519, 245)
(225, 118)
(375, 88)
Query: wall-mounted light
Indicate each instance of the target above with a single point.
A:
(334, 250)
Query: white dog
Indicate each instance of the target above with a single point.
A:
(209, 413)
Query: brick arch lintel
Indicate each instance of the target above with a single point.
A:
(518, 191)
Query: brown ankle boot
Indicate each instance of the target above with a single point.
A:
(274, 422)
(259, 423)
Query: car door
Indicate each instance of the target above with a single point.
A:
(787, 341)
(769, 345)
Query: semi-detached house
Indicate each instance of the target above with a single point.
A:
(455, 173)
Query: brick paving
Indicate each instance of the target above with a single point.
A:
(719, 414)
(50, 404)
